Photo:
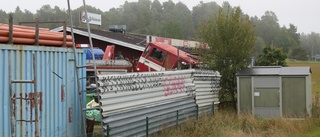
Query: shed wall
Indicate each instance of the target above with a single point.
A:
(266, 82)
(294, 97)
(309, 94)
(245, 94)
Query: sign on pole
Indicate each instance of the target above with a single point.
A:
(93, 18)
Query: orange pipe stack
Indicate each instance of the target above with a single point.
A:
(26, 35)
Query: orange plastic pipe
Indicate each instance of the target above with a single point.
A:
(30, 31)
(53, 43)
(32, 41)
(32, 28)
(4, 39)
(32, 35)
(27, 27)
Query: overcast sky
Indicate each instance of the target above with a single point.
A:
(302, 13)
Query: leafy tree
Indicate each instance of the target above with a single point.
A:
(268, 27)
(17, 15)
(112, 17)
(231, 38)
(156, 15)
(292, 31)
(311, 42)
(284, 41)
(183, 16)
(171, 29)
(299, 53)
(156, 6)
(46, 14)
(4, 18)
(203, 11)
(258, 46)
(272, 57)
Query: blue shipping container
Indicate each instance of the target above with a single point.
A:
(59, 109)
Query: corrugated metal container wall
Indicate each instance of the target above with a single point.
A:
(59, 108)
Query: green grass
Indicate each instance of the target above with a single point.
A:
(230, 124)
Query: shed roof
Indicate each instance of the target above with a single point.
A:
(275, 71)
(133, 41)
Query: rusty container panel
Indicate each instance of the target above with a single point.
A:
(59, 110)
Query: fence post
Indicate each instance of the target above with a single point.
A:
(197, 113)
(108, 130)
(212, 107)
(147, 126)
(177, 118)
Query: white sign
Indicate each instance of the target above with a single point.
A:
(256, 94)
(93, 18)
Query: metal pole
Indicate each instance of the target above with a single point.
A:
(147, 126)
(10, 29)
(35, 97)
(90, 40)
(77, 73)
(11, 98)
(37, 32)
(64, 34)
(93, 57)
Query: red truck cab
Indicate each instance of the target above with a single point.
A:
(160, 57)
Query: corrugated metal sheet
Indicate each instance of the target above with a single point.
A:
(128, 99)
(207, 89)
(166, 98)
(132, 122)
(139, 89)
(59, 107)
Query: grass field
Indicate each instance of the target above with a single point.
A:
(231, 125)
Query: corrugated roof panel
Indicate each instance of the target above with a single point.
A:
(259, 71)
(274, 71)
(295, 71)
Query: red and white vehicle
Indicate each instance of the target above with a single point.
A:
(160, 57)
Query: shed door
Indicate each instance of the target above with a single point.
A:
(294, 97)
(267, 102)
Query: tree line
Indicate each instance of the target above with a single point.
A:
(175, 20)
